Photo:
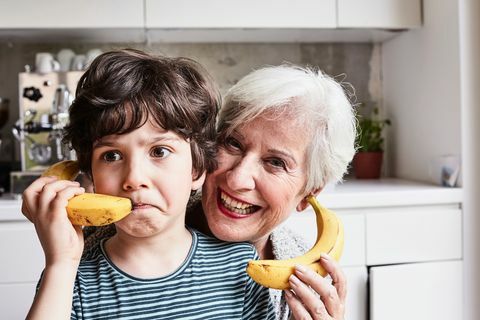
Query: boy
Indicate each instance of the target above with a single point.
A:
(143, 127)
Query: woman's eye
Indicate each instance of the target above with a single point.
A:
(159, 152)
(111, 156)
(277, 163)
(232, 143)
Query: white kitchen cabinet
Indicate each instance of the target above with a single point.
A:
(22, 264)
(240, 14)
(388, 14)
(57, 14)
(357, 293)
(420, 291)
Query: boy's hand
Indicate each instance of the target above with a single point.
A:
(44, 203)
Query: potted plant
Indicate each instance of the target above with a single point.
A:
(367, 162)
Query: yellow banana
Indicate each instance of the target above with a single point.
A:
(63, 170)
(275, 273)
(89, 209)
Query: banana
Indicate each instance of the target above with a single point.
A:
(63, 170)
(93, 209)
(330, 239)
(89, 209)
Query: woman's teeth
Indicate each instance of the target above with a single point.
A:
(237, 206)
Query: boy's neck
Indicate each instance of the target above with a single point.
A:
(149, 257)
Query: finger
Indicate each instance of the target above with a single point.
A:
(339, 281)
(296, 306)
(30, 195)
(62, 197)
(310, 300)
(49, 193)
(328, 293)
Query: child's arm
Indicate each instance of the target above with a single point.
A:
(62, 243)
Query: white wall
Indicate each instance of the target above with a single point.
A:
(421, 81)
(470, 78)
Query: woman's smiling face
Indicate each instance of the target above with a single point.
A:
(259, 180)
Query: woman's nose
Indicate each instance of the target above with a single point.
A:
(241, 176)
(135, 177)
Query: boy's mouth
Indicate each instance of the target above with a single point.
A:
(235, 205)
(140, 205)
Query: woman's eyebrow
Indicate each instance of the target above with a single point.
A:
(283, 153)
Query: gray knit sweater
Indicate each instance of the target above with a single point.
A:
(286, 244)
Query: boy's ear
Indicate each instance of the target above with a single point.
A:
(197, 183)
(304, 202)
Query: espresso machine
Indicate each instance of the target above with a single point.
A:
(44, 100)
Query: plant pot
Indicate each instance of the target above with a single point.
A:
(368, 165)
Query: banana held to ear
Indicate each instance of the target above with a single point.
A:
(275, 273)
(89, 209)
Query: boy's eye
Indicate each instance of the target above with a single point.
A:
(160, 152)
(111, 156)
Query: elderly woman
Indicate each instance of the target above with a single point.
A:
(284, 133)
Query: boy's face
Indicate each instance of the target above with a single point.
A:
(152, 167)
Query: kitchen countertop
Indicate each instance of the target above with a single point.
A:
(351, 194)
(387, 192)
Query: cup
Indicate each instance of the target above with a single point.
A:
(78, 62)
(45, 63)
(445, 169)
(91, 55)
(65, 57)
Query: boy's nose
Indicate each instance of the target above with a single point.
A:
(241, 177)
(136, 177)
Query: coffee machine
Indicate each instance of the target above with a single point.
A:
(44, 99)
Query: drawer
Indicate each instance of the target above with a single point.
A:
(304, 224)
(22, 255)
(413, 234)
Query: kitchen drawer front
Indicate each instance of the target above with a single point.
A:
(304, 224)
(22, 255)
(16, 299)
(413, 234)
(417, 291)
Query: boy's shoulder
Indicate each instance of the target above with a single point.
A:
(206, 243)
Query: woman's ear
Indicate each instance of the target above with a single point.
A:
(198, 182)
(304, 202)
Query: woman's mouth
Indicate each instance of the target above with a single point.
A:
(235, 206)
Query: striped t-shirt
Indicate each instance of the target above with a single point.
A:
(210, 284)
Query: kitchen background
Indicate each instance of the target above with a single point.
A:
(412, 247)
(353, 63)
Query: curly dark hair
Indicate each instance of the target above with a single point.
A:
(122, 89)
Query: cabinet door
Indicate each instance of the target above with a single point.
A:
(390, 14)
(16, 299)
(356, 304)
(22, 255)
(240, 14)
(419, 291)
(28, 14)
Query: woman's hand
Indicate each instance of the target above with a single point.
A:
(315, 297)
(44, 203)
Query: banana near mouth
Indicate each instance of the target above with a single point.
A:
(236, 206)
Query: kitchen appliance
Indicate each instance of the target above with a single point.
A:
(44, 99)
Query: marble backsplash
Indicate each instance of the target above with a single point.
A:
(358, 64)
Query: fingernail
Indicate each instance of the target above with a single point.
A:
(293, 280)
(300, 268)
(288, 293)
(325, 257)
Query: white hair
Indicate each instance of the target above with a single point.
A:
(314, 99)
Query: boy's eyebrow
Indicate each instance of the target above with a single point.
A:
(110, 142)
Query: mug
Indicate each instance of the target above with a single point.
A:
(78, 62)
(65, 57)
(45, 63)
